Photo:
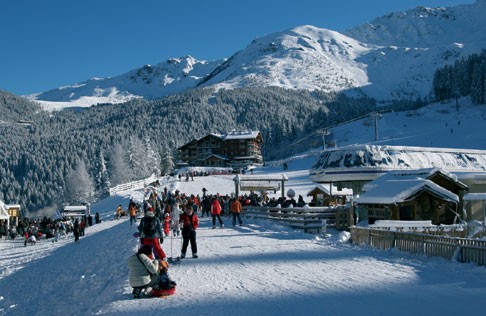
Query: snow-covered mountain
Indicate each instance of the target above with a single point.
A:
(150, 82)
(411, 45)
(391, 57)
(304, 57)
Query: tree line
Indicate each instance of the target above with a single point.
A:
(466, 77)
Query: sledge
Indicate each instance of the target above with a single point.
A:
(166, 287)
(162, 293)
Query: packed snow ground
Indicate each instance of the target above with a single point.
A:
(260, 268)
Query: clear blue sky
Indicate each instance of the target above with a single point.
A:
(50, 43)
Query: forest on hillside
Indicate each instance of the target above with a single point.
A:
(76, 155)
(466, 77)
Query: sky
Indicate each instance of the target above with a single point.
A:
(53, 43)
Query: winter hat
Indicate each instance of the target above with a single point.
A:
(146, 250)
(290, 193)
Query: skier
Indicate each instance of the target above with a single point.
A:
(151, 233)
(132, 209)
(216, 212)
(176, 213)
(235, 209)
(190, 223)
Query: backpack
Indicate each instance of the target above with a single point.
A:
(149, 226)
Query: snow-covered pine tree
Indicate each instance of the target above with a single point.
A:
(79, 185)
(120, 170)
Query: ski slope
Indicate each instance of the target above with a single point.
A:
(260, 268)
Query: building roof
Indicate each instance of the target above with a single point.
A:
(475, 197)
(230, 136)
(425, 173)
(331, 191)
(387, 191)
(241, 135)
(271, 177)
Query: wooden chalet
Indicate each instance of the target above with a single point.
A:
(235, 149)
(327, 195)
(426, 194)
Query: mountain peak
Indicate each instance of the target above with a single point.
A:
(391, 57)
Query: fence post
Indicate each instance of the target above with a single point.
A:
(324, 226)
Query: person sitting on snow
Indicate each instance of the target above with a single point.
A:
(144, 270)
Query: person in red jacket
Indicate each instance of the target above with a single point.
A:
(167, 220)
(216, 212)
(189, 222)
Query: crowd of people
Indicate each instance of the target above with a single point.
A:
(175, 213)
(32, 230)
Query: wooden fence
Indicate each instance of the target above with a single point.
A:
(308, 219)
(132, 185)
(459, 249)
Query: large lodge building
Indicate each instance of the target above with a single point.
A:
(235, 149)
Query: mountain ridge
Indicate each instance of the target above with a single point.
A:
(393, 57)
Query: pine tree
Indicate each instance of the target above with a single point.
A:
(120, 170)
(80, 186)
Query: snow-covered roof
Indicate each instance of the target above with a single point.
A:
(334, 190)
(424, 173)
(75, 208)
(475, 197)
(398, 191)
(241, 135)
(267, 177)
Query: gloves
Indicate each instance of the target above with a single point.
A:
(161, 240)
(164, 266)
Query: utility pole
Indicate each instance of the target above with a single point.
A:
(323, 133)
(376, 115)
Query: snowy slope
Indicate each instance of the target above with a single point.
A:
(392, 57)
(435, 125)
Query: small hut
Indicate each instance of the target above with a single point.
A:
(426, 194)
(328, 195)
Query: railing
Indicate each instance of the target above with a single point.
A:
(459, 249)
(132, 185)
(309, 219)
